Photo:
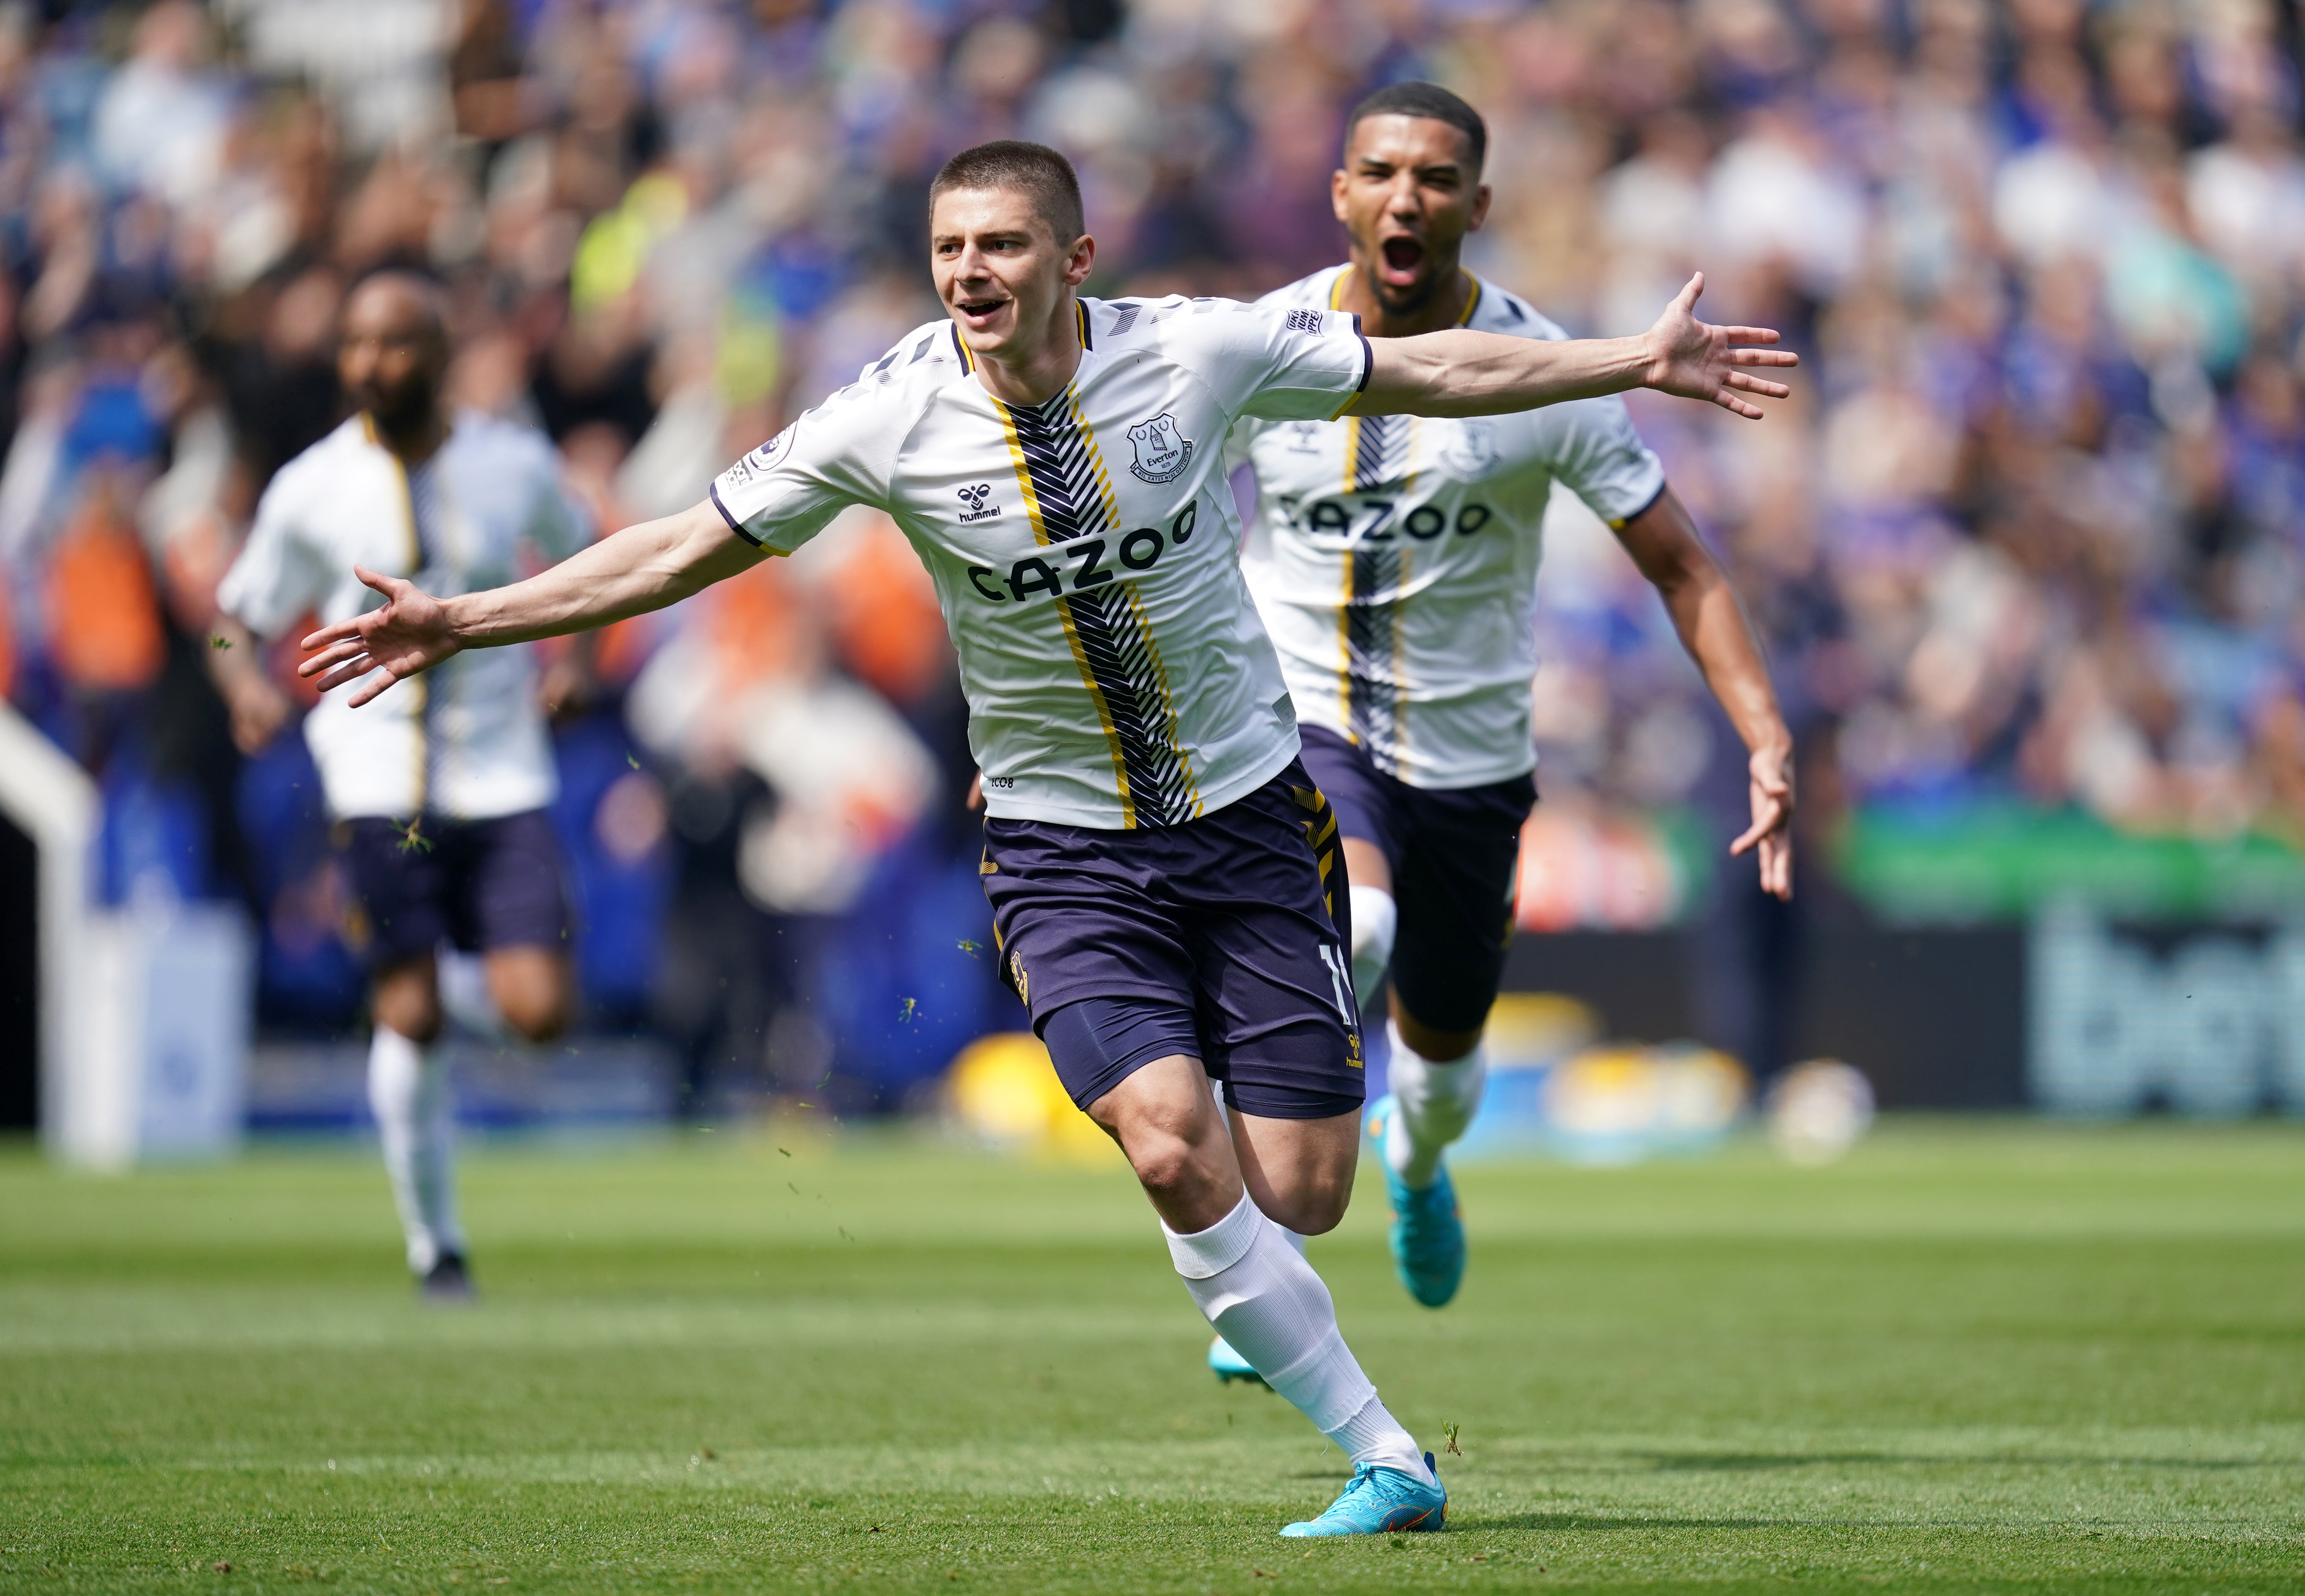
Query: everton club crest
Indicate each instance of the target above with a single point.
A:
(1162, 452)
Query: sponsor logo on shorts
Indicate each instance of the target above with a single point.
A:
(1016, 975)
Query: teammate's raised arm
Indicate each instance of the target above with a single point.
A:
(1460, 372)
(1664, 543)
(642, 568)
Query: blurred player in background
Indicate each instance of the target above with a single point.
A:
(1394, 559)
(439, 793)
(1162, 872)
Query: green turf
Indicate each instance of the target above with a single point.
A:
(1971, 1358)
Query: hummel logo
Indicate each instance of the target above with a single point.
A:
(974, 496)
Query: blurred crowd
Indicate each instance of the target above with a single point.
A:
(2028, 532)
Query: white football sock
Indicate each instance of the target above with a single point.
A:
(408, 1092)
(1375, 919)
(1268, 1303)
(1435, 1103)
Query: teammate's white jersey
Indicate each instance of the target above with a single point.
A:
(1394, 557)
(1084, 551)
(466, 739)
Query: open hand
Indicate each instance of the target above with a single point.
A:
(1771, 831)
(1695, 360)
(411, 634)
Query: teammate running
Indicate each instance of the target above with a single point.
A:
(1394, 560)
(1160, 868)
(438, 794)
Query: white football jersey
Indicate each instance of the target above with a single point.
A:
(1394, 557)
(1084, 551)
(466, 739)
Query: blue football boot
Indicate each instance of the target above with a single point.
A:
(1428, 1232)
(1228, 1365)
(1380, 1501)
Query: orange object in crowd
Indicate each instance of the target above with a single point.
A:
(885, 619)
(8, 644)
(105, 631)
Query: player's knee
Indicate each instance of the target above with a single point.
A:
(1165, 1162)
(532, 992)
(538, 1019)
(413, 1010)
(1315, 1206)
(539, 1010)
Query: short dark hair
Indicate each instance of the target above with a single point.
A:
(1429, 100)
(1041, 174)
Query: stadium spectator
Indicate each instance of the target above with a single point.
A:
(2034, 534)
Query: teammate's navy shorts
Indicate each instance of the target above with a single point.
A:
(478, 884)
(1224, 939)
(1456, 868)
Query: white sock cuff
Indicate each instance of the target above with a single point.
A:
(395, 1062)
(1375, 919)
(1393, 1040)
(1207, 1253)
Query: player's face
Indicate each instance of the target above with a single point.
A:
(1000, 270)
(1407, 194)
(393, 355)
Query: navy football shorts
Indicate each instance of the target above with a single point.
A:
(480, 885)
(1224, 938)
(1455, 870)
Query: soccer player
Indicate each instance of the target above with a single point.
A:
(1160, 868)
(1394, 559)
(439, 793)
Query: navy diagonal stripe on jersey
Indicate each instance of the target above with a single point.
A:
(1105, 621)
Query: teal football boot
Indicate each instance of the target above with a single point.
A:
(1380, 1501)
(1228, 1365)
(1428, 1232)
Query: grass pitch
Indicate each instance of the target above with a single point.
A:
(1971, 1358)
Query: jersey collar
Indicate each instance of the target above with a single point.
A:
(968, 360)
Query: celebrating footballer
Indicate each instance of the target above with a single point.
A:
(1167, 884)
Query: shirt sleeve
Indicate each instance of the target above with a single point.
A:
(1285, 365)
(783, 493)
(278, 576)
(1602, 459)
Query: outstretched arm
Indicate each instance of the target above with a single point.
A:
(1663, 542)
(642, 568)
(1464, 373)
